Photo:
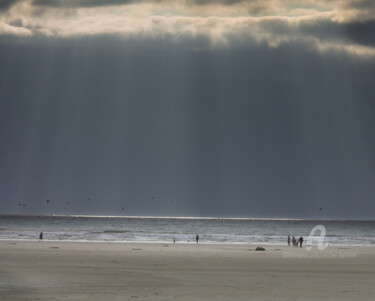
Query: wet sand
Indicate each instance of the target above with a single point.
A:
(147, 271)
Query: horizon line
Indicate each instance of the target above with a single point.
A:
(190, 217)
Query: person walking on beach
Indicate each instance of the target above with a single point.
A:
(294, 241)
(41, 236)
(300, 240)
(197, 238)
(288, 240)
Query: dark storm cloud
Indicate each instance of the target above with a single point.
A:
(360, 4)
(6, 4)
(359, 32)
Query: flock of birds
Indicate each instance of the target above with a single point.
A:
(122, 208)
(88, 199)
(66, 205)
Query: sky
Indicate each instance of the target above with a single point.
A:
(220, 108)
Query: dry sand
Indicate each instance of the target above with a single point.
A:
(134, 271)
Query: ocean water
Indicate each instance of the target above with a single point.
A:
(156, 229)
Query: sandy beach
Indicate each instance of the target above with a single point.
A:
(148, 271)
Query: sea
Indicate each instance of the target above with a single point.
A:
(251, 231)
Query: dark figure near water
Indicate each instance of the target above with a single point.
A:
(294, 241)
(197, 238)
(300, 241)
(41, 236)
(288, 240)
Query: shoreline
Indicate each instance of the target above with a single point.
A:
(249, 244)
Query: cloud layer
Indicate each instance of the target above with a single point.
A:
(324, 25)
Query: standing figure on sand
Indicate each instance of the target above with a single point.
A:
(197, 238)
(41, 236)
(295, 242)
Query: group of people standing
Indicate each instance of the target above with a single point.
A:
(295, 242)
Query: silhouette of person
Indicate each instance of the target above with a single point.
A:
(41, 236)
(197, 238)
(288, 240)
(294, 241)
(300, 241)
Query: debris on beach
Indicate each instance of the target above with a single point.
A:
(260, 249)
